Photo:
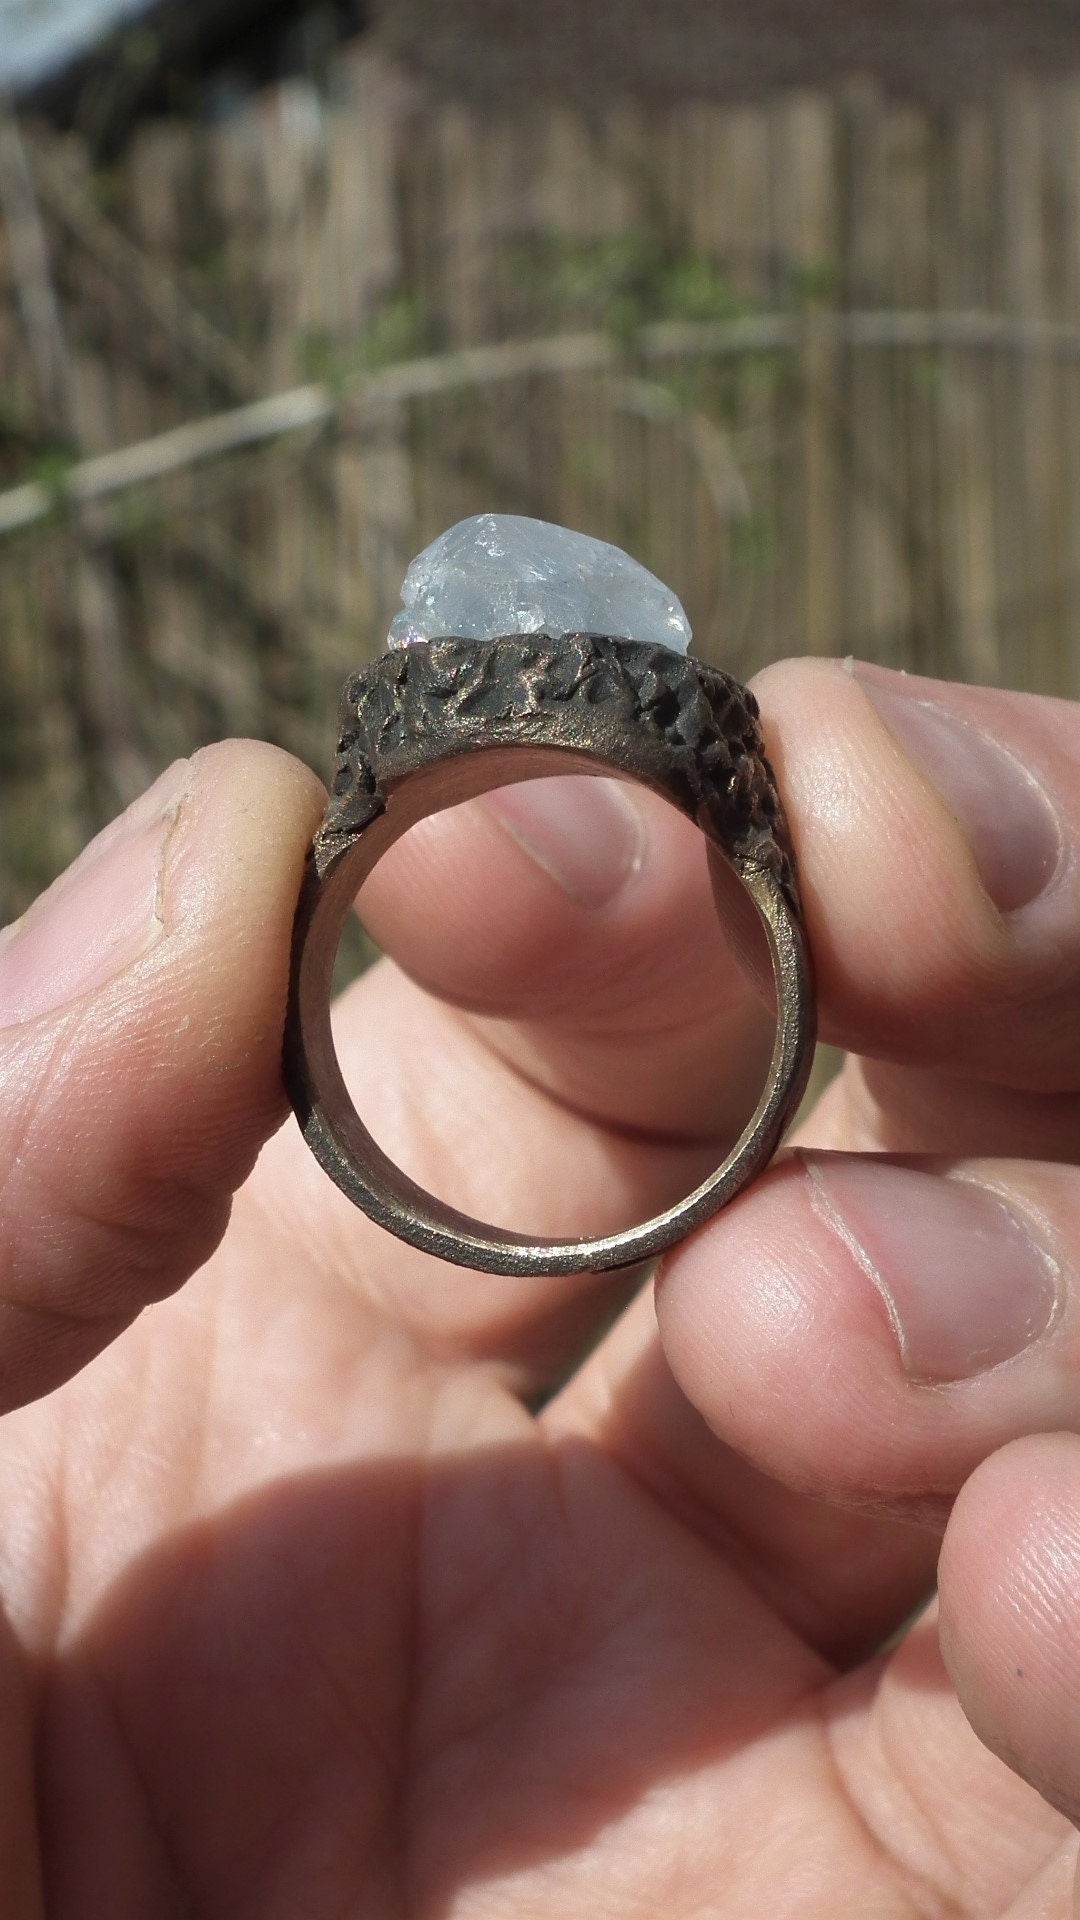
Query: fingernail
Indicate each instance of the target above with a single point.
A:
(587, 834)
(99, 916)
(964, 1280)
(1010, 823)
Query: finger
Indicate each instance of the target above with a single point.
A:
(936, 828)
(141, 1002)
(962, 1829)
(927, 950)
(936, 831)
(924, 818)
(874, 1106)
(574, 919)
(863, 1333)
(1010, 1610)
(831, 1572)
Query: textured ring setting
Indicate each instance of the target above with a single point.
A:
(435, 721)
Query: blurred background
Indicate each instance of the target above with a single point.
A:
(783, 297)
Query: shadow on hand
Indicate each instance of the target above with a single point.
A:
(364, 1690)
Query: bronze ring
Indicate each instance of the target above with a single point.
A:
(443, 720)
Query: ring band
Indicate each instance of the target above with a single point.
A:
(440, 721)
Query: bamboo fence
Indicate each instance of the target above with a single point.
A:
(815, 359)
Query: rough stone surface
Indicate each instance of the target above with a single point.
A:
(500, 573)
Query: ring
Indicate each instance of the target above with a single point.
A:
(439, 721)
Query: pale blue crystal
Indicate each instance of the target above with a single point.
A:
(499, 573)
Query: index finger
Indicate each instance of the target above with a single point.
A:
(936, 827)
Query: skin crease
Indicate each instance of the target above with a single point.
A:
(303, 1612)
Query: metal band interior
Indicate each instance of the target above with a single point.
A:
(357, 1164)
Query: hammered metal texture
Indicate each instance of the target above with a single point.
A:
(448, 696)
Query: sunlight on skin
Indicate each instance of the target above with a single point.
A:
(307, 1613)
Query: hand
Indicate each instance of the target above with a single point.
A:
(305, 1613)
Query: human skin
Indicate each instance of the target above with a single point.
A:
(338, 1584)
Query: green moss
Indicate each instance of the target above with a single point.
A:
(814, 282)
(620, 283)
(396, 331)
(753, 544)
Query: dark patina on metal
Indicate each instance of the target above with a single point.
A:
(440, 721)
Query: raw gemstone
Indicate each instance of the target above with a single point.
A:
(499, 573)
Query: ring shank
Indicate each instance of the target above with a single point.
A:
(453, 719)
(425, 776)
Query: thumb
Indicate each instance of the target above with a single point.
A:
(141, 1005)
(1010, 1610)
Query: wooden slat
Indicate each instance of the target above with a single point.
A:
(910, 454)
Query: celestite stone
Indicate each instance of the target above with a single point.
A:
(500, 573)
